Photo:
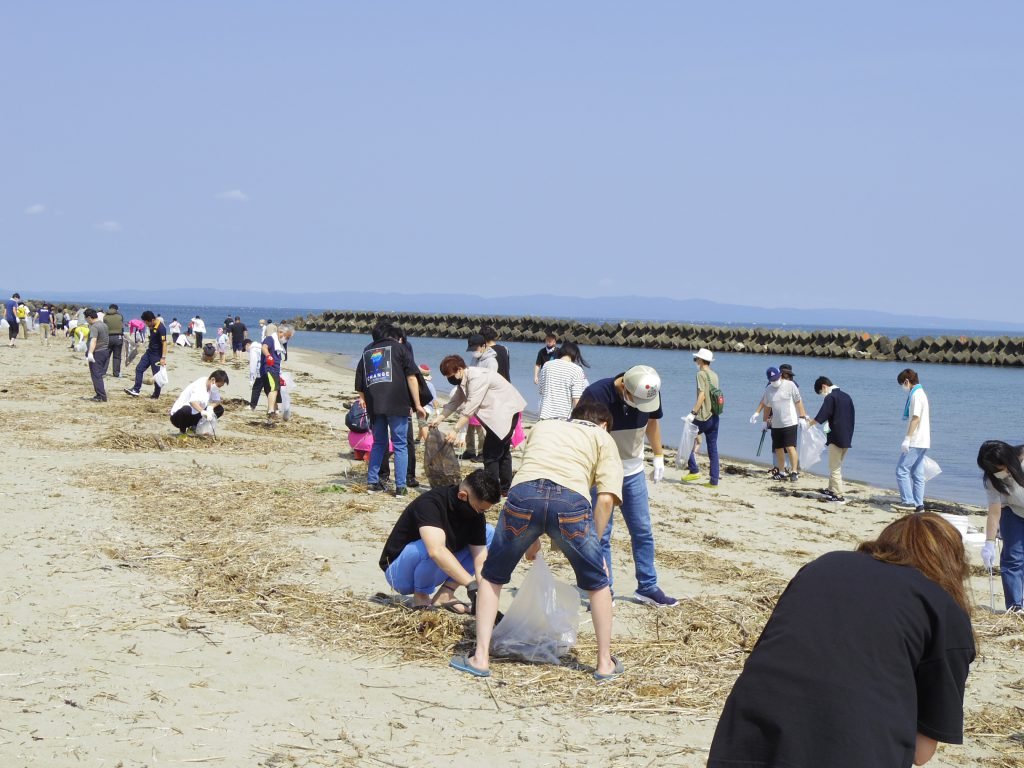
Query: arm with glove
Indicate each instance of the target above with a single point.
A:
(988, 549)
(653, 431)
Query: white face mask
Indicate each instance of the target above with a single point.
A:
(777, 383)
(550, 347)
(1001, 475)
(477, 354)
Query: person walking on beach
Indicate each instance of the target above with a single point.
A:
(44, 321)
(838, 411)
(548, 352)
(388, 387)
(439, 543)
(155, 356)
(198, 328)
(634, 399)
(787, 408)
(200, 399)
(175, 329)
(239, 333)
(562, 462)
(115, 330)
(562, 382)
(1003, 479)
(97, 353)
(916, 442)
(11, 316)
(705, 416)
(485, 394)
(863, 661)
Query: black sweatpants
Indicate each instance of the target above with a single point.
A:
(183, 418)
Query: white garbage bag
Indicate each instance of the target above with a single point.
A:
(686, 442)
(812, 445)
(931, 468)
(160, 377)
(207, 426)
(542, 623)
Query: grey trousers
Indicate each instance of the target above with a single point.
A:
(96, 371)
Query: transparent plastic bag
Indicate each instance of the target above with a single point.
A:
(686, 442)
(439, 460)
(812, 445)
(542, 623)
(207, 427)
(931, 468)
(160, 377)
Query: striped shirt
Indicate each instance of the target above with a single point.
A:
(560, 382)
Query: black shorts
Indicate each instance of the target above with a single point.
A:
(238, 346)
(784, 437)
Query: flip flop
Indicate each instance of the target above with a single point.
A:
(462, 664)
(619, 669)
(422, 607)
(454, 606)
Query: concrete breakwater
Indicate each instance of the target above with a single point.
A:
(988, 350)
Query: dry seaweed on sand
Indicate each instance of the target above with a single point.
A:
(123, 440)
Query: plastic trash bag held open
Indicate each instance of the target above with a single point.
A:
(686, 443)
(542, 623)
(812, 445)
(439, 460)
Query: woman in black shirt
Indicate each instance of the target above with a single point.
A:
(862, 663)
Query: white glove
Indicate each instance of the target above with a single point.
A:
(90, 357)
(208, 413)
(753, 419)
(905, 445)
(988, 554)
(803, 422)
(688, 418)
(658, 473)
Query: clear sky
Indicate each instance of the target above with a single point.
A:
(776, 154)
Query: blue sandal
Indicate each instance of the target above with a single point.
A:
(619, 669)
(462, 664)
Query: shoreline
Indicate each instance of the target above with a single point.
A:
(226, 604)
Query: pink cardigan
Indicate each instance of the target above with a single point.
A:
(486, 395)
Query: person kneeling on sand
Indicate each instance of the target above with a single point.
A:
(563, 461)
(196, 401)
(440, 542)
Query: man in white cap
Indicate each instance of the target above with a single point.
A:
(705, 415)
(634, 399)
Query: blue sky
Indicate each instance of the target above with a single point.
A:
(776, 154)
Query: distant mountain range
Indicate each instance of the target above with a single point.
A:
(613, 308)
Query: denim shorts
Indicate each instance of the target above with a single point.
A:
(539, 507)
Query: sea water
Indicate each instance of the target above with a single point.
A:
(969, 404)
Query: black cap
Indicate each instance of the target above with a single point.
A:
(786, 367)
(475, 341)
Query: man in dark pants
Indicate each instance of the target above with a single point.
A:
(155, 356)
(11, 316)
(200, 398)
(115, 328)
(97, 355)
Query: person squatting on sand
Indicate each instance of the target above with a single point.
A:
(440, 543)
(782, 398)
(704, 417)
(388, 387)
(155, 356)
(863, 661)
(910, 467)
(562, 462)
(97, 353)
(197, 400)
(838, 411)
(634, 400)
(1004, 487)
(497, 405)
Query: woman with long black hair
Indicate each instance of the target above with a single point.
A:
(1004, 485)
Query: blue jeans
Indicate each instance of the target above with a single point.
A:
(541, 506)
(414, 571)
(709, 429)
(910, 476)
(1011, 560)
(637, 514)
(149, 360)
(398, 426)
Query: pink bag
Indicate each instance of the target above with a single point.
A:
(518, 434)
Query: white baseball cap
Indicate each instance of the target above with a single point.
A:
(704, 354)
(643, 384)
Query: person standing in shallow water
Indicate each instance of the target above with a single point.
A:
(863, 661)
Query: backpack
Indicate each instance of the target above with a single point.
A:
(716, 397)
(357, 420)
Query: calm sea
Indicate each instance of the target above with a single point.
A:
(969, 404)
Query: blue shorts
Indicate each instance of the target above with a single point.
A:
(538, 507)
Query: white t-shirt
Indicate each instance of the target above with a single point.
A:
(196, 392)
(198, 326)
(782, 400)
(1013, 498)
(255, 352)
(175, 327)
(919, 407)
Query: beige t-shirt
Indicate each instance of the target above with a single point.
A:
(578, 455)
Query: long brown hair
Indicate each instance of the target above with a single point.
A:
(924, 540)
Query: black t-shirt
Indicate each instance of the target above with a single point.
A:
(858, 656)
(503, 361)
(381, 377)
(238, 332)
(441, 508)
(544, 355)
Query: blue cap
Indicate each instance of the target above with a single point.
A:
(773, 374)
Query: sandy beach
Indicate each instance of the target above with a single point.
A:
(187, 601)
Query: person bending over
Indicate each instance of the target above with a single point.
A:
(440, 542)
(197, 400)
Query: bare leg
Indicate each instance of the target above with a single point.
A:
(486, 612)
(793, 460)
(780, 460)
(601, 616)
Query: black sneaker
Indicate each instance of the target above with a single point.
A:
(132, 392)
(412, 482)
(377, 488)
(794, 476)
(657, 598)
(401, 492)
(154, 397)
